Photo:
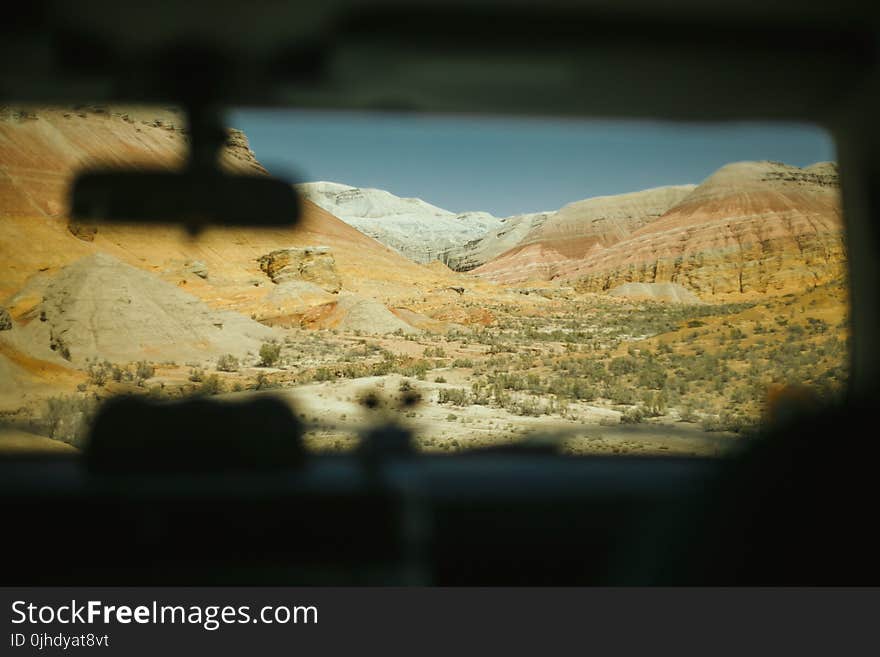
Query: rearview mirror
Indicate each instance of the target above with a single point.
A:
(192, 198)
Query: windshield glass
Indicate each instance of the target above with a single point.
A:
(624, 287)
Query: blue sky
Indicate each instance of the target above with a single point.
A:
(507, 165)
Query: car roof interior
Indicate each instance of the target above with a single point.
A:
(794, 508)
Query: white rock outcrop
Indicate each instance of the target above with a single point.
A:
(414, 228)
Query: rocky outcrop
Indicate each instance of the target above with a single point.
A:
(314, 264)
(197, 267)
(83, 231)
(287, 302)
(5, 320)
(752, 228)
(554, 241)
(238, 149)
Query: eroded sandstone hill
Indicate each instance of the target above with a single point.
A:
(752, 228)
(101, 308)
(41, 149)
(576, 229)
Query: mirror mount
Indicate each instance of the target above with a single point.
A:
(206, 138)
(199, 195)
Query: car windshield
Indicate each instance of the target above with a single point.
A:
(615, 287)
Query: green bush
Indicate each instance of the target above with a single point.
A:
(623, 365)
(98, 373)
(653, 377)
(227, 363)
(416, 368)
(633, 416)
(528, 406)
(212, 385)
(270, 352)
(621, 394)
(323, 374)
(264, 382)
(457, 396)
(711, 423)
(144, 370)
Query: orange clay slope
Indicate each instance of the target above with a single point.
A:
(750, 229)
(576, 229)
(40, 151)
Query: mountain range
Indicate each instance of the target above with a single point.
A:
(414, 228)
(751, 228)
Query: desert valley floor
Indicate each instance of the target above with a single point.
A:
(665, 321)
